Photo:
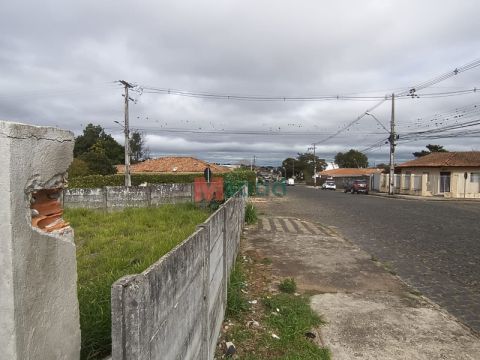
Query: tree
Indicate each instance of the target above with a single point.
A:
(431, 149)
(384, 167)
(78, 168)
(291, 165)
(98, 150)
(96, 135)
(351, 159)
(138, 151)
(303, 164)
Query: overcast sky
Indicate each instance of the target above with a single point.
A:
(59, 61)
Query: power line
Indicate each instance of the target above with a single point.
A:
(414, 89)
(268, 98)
(350, 124)
(411, 92)
(238, 132)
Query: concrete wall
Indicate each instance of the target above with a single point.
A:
(39, 316)
(175, 308)
(119, 197)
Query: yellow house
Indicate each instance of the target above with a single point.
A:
(448, 174)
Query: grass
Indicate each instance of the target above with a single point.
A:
(251, 216)
(237, 304)
(290, 317)
(285, 315)
(111, 245)
(288, 286)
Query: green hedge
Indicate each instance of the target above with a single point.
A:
(233, 180)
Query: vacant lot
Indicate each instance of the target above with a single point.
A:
(111, 245)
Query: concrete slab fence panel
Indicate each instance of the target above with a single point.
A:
(171, 193)
(119, 197)
(158, 314)
(175, 308)
(85, 198)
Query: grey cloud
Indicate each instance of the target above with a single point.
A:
(58, 60)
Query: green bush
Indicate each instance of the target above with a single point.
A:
(233, 180)
(236, 179)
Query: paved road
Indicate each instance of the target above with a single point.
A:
(433, 245)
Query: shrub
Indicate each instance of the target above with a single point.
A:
(250, 214)
(288, 286)
(233, 180)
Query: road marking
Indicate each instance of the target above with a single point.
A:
(313, 228)
(302, 227)
(266, 224)
(290, 226)
(278, 225)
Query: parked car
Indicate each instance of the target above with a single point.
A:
(329, 185)
(357, 186)
(290, 182)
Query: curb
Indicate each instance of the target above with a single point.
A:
(418, 198)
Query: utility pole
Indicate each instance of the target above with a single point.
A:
(391, 184)
(128, 181)
(293, 172)
(314, 166)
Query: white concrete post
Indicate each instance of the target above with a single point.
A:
(425, 185)
(402, 183)
(39, 317)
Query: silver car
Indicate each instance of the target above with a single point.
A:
(329, 185)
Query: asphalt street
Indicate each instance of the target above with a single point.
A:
(434, 246)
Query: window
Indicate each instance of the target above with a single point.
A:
(475, 177)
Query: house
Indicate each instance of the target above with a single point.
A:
(173, 165)
(344, 176)
(448, 174)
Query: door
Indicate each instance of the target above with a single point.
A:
(444, 182)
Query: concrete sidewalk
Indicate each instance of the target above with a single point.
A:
(421, 198)
(370, 313)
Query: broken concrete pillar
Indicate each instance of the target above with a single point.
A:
(39, 317)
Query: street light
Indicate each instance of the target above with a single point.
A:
(378, 121)
(391, 140)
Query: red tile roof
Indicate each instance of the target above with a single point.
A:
(446, 159)
(173, 164)
(350, 172)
